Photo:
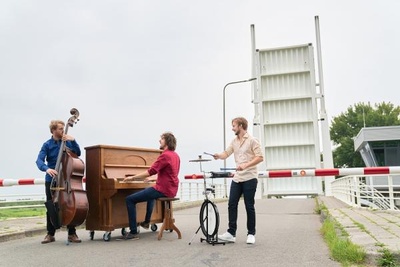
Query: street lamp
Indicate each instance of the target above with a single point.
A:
(224, 124)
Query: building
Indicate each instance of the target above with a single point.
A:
(380, 146)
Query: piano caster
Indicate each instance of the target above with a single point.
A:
(91, 235)
(153, 227)
(123, 231)
(107, 236)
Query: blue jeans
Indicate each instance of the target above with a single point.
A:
(248, 189)
(149, 194)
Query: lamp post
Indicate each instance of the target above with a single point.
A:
(224, 124)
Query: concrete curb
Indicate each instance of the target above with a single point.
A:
(21, 234)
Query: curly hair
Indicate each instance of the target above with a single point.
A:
(170, 140)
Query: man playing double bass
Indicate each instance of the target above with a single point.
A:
(49, 153)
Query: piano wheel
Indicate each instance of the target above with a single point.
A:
(123, 231)
(107, 236)
(154, 227)
(91, 235)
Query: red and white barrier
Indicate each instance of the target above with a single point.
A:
(25, 181)
(313, 172)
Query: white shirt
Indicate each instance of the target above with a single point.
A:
(244, 151)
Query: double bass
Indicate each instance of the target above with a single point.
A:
(69, 204)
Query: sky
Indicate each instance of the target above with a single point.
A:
(135, 69)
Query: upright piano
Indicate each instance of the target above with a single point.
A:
(106, 167)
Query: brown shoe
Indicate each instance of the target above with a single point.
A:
(74, 239)
(48, 239)
(145, 225)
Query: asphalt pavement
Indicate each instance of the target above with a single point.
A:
(288, 234)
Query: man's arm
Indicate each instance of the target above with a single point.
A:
(142, 175)
(72, 144)
(222, 155)
(249, 164)
(40, 161)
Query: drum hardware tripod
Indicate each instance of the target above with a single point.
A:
(208, 213)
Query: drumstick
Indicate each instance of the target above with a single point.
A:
(205, 153)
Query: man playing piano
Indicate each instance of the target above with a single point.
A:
(167, 169)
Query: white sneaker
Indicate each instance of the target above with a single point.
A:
(227, 237)
(250, 239)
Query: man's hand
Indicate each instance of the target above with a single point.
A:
(67, 137)
(241, 167)
(52, 172)
(128, 178)
(150, 179)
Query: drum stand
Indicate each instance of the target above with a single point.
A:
(208, 212)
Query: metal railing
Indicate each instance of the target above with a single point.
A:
(194, 191)
(188, 192)
(376, 191)
(373, 191)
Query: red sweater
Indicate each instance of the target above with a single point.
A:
(167, 167)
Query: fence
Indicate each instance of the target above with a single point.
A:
(188, 191)
(374, 191)
(358, 188)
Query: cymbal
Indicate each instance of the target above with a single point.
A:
(199, 160)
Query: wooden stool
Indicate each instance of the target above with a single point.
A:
(168, 222)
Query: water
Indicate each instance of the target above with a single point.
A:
(22, 192)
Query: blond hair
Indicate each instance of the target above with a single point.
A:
(54, 124)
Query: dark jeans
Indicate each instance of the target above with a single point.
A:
(50, 228)
(150, 195)
(248, 189)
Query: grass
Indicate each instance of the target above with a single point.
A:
(387, 259)
(341, 248)
(20, 212)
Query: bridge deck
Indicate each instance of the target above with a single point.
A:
(288, 234)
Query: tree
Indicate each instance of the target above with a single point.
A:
(347, 125)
